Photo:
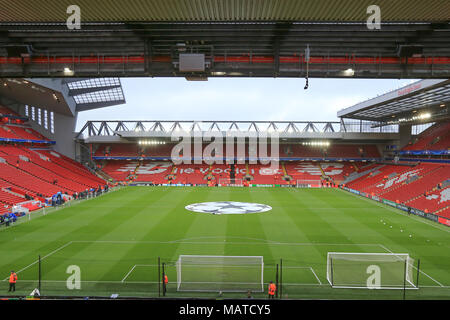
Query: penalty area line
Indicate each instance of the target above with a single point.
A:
(440, 284)
(44, 257)
(132, 269)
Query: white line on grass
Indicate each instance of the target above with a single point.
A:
(136, 265)
(54, 209)
(440, 284)
(228, 242)
(46, 256)
(315, 275)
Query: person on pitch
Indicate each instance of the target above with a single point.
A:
(272, 290)
(12, 281)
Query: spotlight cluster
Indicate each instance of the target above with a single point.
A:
(150, 142)
(316, 143)
(421, 116)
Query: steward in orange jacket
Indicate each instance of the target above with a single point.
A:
(12, 281)
(272, 290)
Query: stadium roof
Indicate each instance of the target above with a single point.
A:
(422, 101)
(223, 10)
(64, 96)
(95, 92)
(114, 131)
(238, 38)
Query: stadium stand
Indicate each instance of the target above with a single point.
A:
(119, 169)
(285, 151)
(415, 186)
(27, 133)
(40, 172)
(436, 137)
(155, 172)
(5, 112)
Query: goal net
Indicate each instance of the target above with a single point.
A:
(370, 270)
(220, 273)
(227, 182)
(309, 183)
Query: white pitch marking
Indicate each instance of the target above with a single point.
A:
(136, 265)
(440, 284)
(46, 256)
(315, 275)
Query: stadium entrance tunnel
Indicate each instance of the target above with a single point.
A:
(228, 207)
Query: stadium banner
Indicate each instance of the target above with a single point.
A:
(425, 215)
(421, 160)
(414, 211)
(389, 203)
(444, 221)
(424, 152)
(352, 191)
(27, 141)
(263, 185)
(376, 198)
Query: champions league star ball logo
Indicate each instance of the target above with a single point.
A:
(228, 207)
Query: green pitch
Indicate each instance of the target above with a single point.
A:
(115, 241)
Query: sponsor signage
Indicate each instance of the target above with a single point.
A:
(444, 221)
(415, 211)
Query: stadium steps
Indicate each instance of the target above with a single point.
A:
(405, 183)
(72, 180)
(49, 176)
(441, 210)
(286, 176)
(33, 185)
(13, 193)
(88, 178)
(389, 176)
(353, 177)
(40, 178)
(209, 173)
(321, 170)
(103, 175)
(428, 181)
(441, 142)
(420, 195)
(172, 173)
(247, 172)
(9, 199)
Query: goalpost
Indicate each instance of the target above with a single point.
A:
(370, 270)
(220, 273)
(309, 183)
(227, 182)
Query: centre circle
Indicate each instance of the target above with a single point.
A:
(228, 207)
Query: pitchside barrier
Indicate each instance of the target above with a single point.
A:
(225, 182)
(417, 212)
(309, 183)
(195, 276)
(31, 215)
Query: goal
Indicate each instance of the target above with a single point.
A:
(309, 183)
(370, 270)
(227, 182)
(220, 273)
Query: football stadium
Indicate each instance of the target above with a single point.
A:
(355, 207)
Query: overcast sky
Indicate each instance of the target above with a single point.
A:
(239, 99)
